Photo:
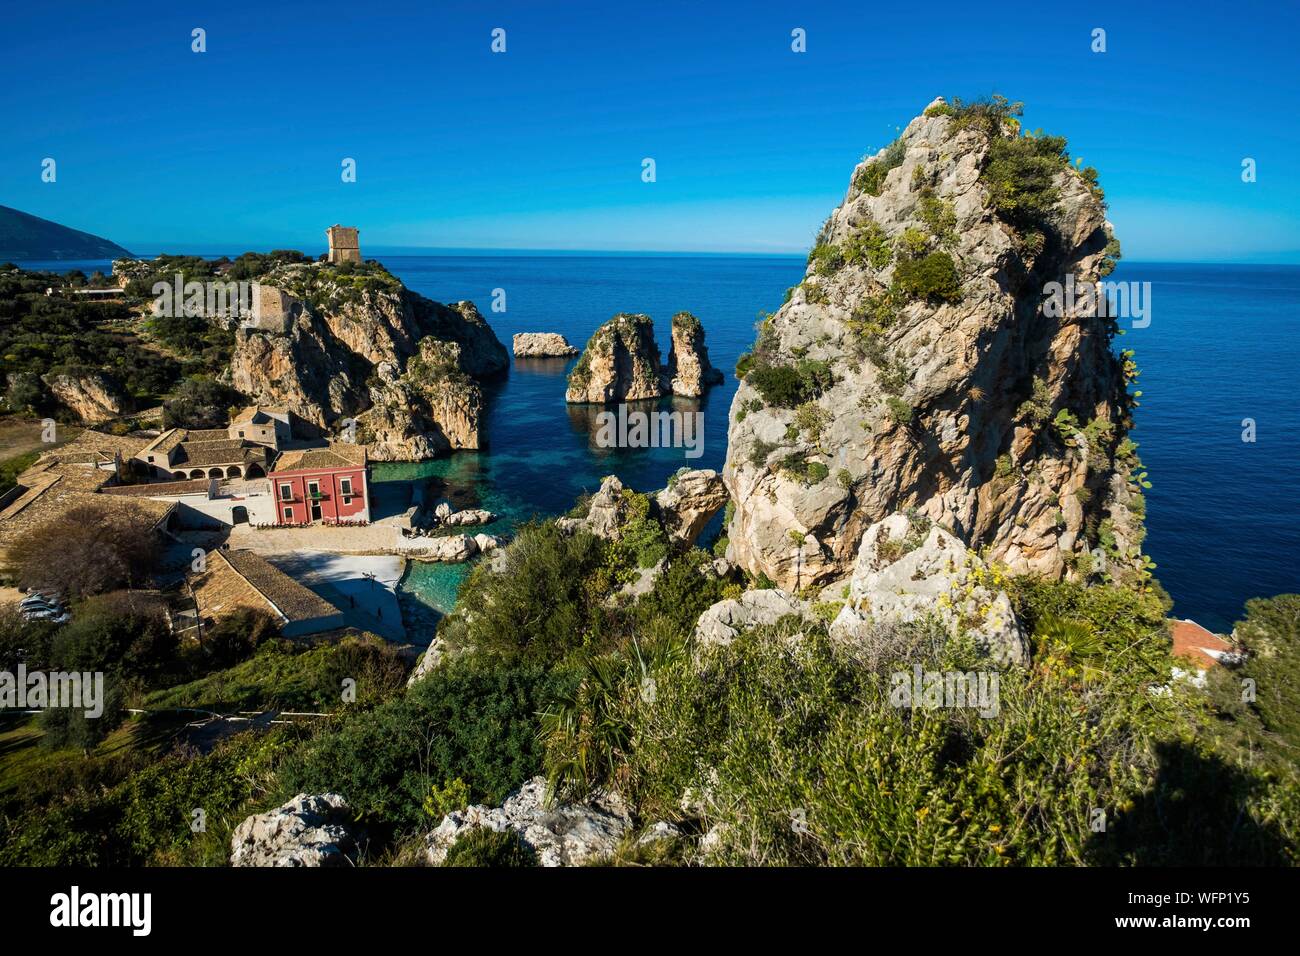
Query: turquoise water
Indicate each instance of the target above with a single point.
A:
(539, 452)
(1223, 345)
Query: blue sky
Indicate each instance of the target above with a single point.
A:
(541, 147)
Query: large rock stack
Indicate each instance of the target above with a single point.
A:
(915, 367)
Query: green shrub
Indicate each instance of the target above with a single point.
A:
(452, 796)
(913, 243)
(870, 245)
(1128, 622)
(809, 472)
(468, 719)
(201, 402)
(899, 411)
(874, 315)
(826, 259)
(1020, 174)
(810, 418)
(642, 541)
(539, 599)
(287, 675)
(1037, 409)
(1112, 257)
(778, 384)
(40, 335)
(146, 819)
(933, 277)
(872, 178)
(490, 848)
(760, 451)
(939, 217)
(990, 116)
(1270, 634)
(13, 467)
(587, 727)
(788, 386)
(781, 732)
(893, 374)
(680, 595)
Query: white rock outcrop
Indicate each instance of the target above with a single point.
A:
(689, 372)
(720, 624)
(920, 365)
(309, 830)
(691, 499)
(907, 570)
(469, 516)
(568, 834)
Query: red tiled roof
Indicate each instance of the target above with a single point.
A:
(333, 455)
(1195, 643)
(149, 489)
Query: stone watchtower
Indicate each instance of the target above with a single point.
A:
(344, 244)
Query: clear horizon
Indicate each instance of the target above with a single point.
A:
(216, 250)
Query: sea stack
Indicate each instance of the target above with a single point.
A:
(689, 372)
(916, 369)
(621, 362)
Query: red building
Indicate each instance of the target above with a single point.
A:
(325, 484)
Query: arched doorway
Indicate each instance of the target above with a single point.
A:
(254, 471)
(232, 471)
(239, 515)
(196, 473)
(214, 473)
(178, 475)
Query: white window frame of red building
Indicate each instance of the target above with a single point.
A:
(345, 486)
(289, 495)
(287, 513)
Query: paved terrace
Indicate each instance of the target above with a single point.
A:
(343, 539)
(364, 587)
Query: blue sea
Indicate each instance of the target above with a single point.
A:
(1223, 346)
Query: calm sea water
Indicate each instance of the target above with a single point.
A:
(1223, 345)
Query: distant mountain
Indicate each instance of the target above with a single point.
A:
(29, 237)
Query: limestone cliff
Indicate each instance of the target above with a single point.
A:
(353, 342)
(689, 372)
(915, 367)
(91, 395)
(433, 406)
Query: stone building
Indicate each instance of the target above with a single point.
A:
(345, 246)
(237, 581)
